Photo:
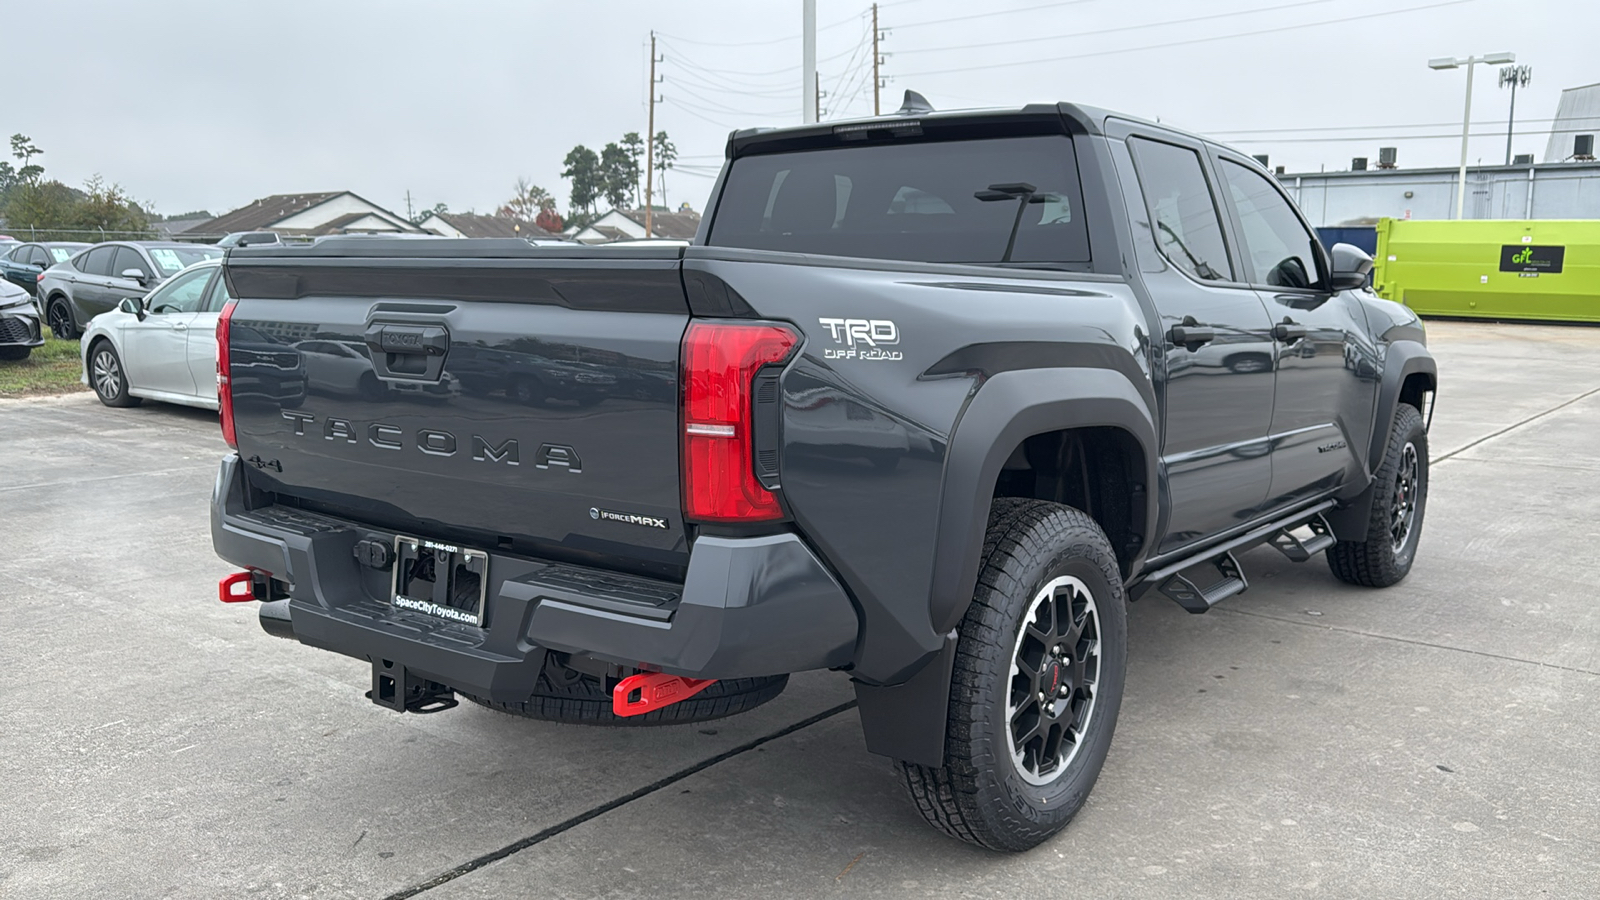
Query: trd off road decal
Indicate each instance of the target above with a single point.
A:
(862, 339)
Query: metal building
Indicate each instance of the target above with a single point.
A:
(1577, 113)
(1561, 190)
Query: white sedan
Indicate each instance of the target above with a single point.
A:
(162, 347)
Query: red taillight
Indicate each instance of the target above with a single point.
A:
(225, 375)
(39, 277)
(720, 360)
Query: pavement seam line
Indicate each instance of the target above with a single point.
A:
(1514, 426)
(638, 793)
(1414, 642)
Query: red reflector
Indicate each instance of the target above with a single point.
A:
(720, 360)
(229, 588)
(225, 375)
(650, 691)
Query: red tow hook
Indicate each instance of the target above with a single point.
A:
(650, 691)
(228, 588)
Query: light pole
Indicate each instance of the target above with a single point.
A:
(1450, 62)
(1515, 76)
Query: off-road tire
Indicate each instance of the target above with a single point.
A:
(979, 794)
(112, 390)
(1377, 561)
(585, 701)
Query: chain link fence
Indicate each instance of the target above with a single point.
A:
(98, 235)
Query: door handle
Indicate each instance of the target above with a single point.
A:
(1288, 330)
(1191, 335)
(179, 326)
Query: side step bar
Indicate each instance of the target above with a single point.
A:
(1170, 581)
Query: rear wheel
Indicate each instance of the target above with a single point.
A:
(62, 323)
(1399, 501)
(1037, 683)
(563, 695)
(107, 378)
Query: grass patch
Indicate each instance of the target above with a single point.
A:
(51, 369)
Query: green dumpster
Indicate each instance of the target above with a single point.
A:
(1492, 269)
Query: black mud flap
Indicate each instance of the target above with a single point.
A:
(393, 687)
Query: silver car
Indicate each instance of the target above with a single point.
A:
(162, 346)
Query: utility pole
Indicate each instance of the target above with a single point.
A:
(1471, 63)
(875, 82)
(808, 60)
(650, 142)
(409, 215)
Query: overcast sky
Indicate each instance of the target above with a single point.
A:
(209, 105)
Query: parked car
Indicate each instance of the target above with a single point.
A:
(251, 239)
(24, 263)
(19, 323)
(97, 279)
(159, 347)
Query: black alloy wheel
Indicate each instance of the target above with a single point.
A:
(1054, 671)
(59, 317)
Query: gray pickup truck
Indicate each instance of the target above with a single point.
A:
(929, 398)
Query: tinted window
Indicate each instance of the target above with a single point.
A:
(129, 258)
(954, 201)
(1182, 212)
(1277, 248)
(97, 261)
(219, 295)
(174, 259)
(40, 257)
(181, 294)
(18, 254)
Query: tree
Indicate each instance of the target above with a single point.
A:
(422, 216)
(665, 154)
(583, 171)
(619, 175)
(108, 208)
(23, 148)
(633, 145)
(550, 221)
(527, 201)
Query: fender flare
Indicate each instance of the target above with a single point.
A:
(1008, 409)
(907, 721)
(1404, 359)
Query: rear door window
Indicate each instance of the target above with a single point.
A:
(1182, 210)
(978, 201)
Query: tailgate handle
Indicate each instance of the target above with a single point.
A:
(427, 340)
(408, 352)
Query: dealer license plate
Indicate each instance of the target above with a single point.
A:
(438, 579)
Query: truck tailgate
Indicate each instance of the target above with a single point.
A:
(485, 392)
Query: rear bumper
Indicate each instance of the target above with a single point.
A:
(749, 606)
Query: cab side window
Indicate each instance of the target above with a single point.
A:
(1278, 251)
(182, 294)
(1188, 228)
(97, 261)
(218, 296)
(129, 258)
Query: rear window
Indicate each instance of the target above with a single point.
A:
(952, 202)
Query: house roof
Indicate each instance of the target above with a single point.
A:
(338, 225)
(682, 226)
(264, 212)
(475, 226)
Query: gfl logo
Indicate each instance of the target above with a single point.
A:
(1523, 256)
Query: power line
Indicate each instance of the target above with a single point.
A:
(1140, 27)
(988, 15)
(766, 43)
(1360, 127)
(1221, 37)
(1403, 137)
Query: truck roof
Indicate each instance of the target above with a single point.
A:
(1034, 118)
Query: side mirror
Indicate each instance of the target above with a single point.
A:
(132, 305)
(134, 275)
(1351, 265)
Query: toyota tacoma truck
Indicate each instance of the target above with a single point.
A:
(930, 397)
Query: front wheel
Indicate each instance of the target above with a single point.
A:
(107, 378)
(1400, 497)
(1037, 684)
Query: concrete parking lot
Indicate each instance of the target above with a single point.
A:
(1438, 739)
